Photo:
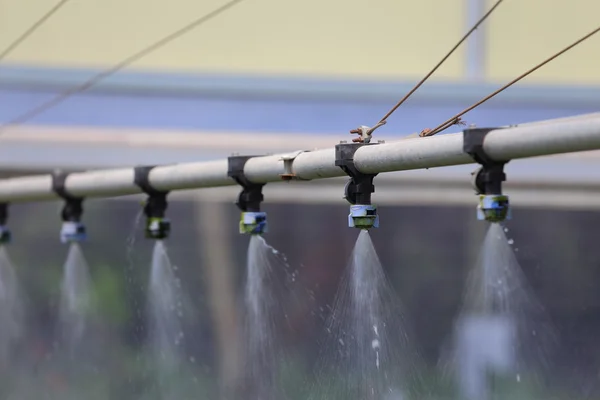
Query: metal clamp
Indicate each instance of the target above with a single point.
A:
(155, 206)
(288, 160)
(365, 133)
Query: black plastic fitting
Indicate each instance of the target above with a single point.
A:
(360, 186)
(251, 195)
(156, 204)
(490, 177)
(73, 208)
(3, 213)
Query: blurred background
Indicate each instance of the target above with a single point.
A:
(268, 76)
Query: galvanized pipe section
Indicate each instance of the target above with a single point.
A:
(529, 140)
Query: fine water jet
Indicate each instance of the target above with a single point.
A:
(366, 352)
(166, 304)
(260, 354)
(501, 334)
(11, 307)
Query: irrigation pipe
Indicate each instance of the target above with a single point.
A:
(530, 140)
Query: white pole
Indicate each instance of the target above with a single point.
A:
(529, 140)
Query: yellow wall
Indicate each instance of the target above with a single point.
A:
(335, 38)
(525, 32)
(380, 38)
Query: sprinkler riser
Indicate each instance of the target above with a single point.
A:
(5, 235)
(358, 189)
(157, 228)
(72, 231)
(363, 216)
(493, 208)
(253, 223)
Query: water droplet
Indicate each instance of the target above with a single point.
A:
(505, 229)
(341, 341)
(510, 241)
(375, 344)
(192, 359)
(518, 378)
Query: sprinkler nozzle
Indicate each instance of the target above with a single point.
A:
(5, 235)
(358, 189)
(253, 222)
(487, 180)
(493, 208)
(72, 231)
(363, 216)
(157, 228)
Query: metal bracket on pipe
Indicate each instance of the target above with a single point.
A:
(252, 221)
(288, 160)
(487, 180)
(157, 226)
(72, 229)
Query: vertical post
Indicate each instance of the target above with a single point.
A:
(475, 54)
(218, 265)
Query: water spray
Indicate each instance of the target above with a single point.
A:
(487, 180)
(157, 226)
(252, 221)
(5, 235)
(72, 229)
(363, 214)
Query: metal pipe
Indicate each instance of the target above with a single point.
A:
(529, 140)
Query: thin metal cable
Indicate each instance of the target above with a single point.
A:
(456, 119)
(126, 62)
(11, 47)
(418, 85)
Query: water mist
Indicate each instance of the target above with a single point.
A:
(367, 354)
(502, 335)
